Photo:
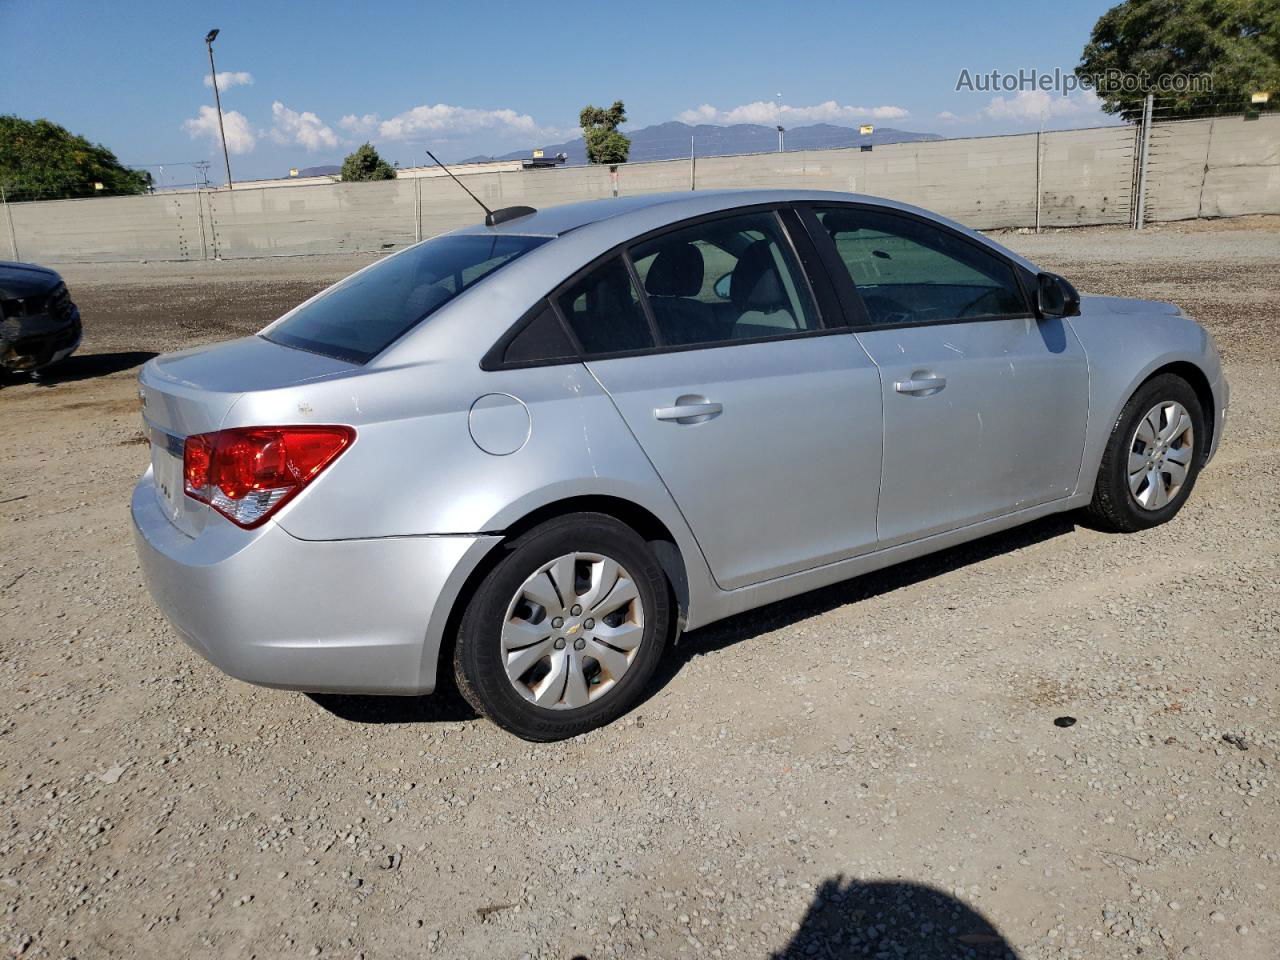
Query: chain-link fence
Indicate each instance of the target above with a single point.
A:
(1245, 106)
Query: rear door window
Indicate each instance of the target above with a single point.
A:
(604, 311)
(366, 313)
(723, 281)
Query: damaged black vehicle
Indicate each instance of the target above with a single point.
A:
(39, 325)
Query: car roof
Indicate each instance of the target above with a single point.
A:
(557, 221)
(651, 208)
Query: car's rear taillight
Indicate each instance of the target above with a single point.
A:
(248, 473)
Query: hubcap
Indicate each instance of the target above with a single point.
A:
(1160, 453)
(572, 631)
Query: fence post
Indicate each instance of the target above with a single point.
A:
(13, 237)
(204, 247)
(417, 209)
(1038, 167)
(1142, 163)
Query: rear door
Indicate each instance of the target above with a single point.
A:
(984, 404)
(762, 420)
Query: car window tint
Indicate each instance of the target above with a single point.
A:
(724, 280)
(604, 310)
(908, 271)
(364, 314)
(542, 340)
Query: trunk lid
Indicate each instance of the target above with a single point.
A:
(193, 391)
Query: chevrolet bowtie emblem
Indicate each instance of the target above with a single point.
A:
(574, 628)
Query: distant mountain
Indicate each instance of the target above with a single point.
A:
(670, 141)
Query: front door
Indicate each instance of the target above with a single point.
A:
(984, 405)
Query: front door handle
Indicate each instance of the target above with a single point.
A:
(921, 385)
(689, 410)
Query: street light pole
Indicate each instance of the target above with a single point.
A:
(781, 130)
(213, 71)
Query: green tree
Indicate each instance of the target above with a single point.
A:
(40, 160)
(600, 131)
(1235, 43)
(365, 164)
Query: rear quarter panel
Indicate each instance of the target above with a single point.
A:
(416, 470)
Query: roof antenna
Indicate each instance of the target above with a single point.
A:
(491, 217)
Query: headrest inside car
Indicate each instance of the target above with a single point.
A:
(755, 284)
(676, 272)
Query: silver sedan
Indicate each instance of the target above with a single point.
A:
(530, 452)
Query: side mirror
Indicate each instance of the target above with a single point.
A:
(1056, 297)
(721, 286)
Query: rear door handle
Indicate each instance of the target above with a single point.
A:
(922, 385)
(689, 412)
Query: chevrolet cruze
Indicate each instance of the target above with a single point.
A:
(530, 452)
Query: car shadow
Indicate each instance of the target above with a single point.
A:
(753, 623)
(87, 366)
(447, 705)
(852, 918)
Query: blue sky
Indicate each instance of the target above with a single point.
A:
(308, 81)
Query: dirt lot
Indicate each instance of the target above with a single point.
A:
(871, 770)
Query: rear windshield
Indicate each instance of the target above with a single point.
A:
(365, 314)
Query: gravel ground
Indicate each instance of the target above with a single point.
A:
(870, 770)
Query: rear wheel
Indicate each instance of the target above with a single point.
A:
(1152, 458)
(565, 631)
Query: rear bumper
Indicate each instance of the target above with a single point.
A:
(343, 616)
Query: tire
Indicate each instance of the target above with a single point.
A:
(518, 616)
(1116, 504)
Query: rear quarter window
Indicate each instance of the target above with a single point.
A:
(364, 314)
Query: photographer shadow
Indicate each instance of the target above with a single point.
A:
(852, 918)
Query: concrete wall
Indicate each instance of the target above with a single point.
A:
(160, 227)
(1221, 167)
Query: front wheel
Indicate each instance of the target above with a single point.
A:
(566, 630)
(1152, 458)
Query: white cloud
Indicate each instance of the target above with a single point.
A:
(1030, 105)
(361, 125)
(766, 112)
(305, 129)
(946, 116)
(703, 114)
(229, 79)
(240, 138)
(443, 119)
